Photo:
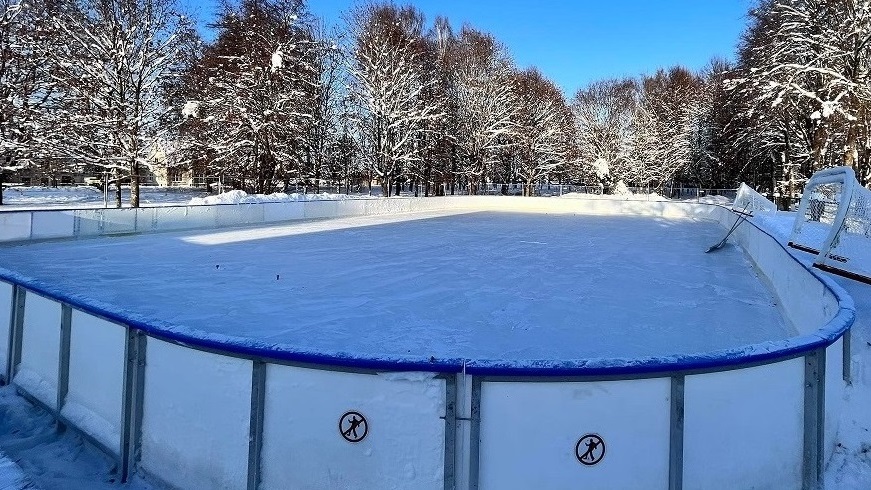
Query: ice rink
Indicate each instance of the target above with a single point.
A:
(485, 285)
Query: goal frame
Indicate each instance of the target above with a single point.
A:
(837, 175)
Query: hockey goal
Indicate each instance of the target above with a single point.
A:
(751, 202)
(834, 222)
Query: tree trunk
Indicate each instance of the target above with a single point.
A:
(134, 184)
(117, 188)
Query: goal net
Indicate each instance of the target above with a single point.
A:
(834, 222)
(749, 201)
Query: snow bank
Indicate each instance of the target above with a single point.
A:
(720, 200)
(81, 196)
(615, 197)
(242, 197)
(11, 476)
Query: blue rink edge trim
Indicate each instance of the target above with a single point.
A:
(755, 354)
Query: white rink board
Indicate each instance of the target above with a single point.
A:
(178, 218)
(53, 225)
(196, 417)
(275, 212)
(303, 447)
(241, 214)
(529, 432)
(320, 209)
(15, 226)
(96, 378)
(745, 427)
(40, 348)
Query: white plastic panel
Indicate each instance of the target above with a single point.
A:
(350, 207)
(6, 291)
(179, 218)
(320, 209)
(96, 378)
(529, 434)
(303, 447)
(196, 417)
(275, 212)
(89, 222)
(120, 221)
(14, 226)
(53, 224)
(745, 427)
(240, 214)
(40, 348)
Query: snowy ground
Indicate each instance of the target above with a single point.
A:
(499, 286)
(80, 197)
(50, 459)
(72, 197)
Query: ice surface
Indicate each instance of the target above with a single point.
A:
(476, 286)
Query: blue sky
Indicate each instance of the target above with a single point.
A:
(575, 42)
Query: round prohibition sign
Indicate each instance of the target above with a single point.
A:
(590, 449)
(353, 426)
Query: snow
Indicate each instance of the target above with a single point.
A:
(48, 459)
(242, 197)
(601, 168)
(277, 60)
(11, 476)
(626, 196)
(464, 286)
(20, 198)
(191, 109)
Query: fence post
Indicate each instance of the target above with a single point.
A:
(676, 434)
(63, 368)
(255, 423)
(16, 329)
(814, 418)
(134, 391)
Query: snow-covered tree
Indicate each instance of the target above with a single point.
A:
(803, 78)
(664, 127)
(486, 103)
(249, 96)
(25, 85)
(113, 71)
(603, 115)
(321, 150)
(388, 86)
(542, 123)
